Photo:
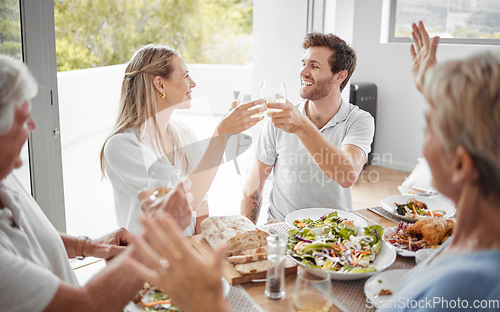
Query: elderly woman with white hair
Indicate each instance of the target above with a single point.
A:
(35, 274)
(462, 144)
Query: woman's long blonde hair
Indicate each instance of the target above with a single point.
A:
(138, 101)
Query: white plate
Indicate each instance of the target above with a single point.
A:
(384, 259)
(132, 307)
(316, 213)
(422, 254)
(432, 204)
(384, 280)
(416, 192)
(402, 252)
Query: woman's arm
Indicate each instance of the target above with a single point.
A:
(238, 120)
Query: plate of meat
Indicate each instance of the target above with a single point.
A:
(424, 234)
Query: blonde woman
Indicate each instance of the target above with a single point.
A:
(146, 141)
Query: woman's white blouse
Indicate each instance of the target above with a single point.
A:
(127, 162)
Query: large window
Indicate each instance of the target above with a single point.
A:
(455, 21)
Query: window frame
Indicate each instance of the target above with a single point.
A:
(465, 41)
(44, 143)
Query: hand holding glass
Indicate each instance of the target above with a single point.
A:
(248, 95)
(274, 92)
(313, 291)
(162, 180)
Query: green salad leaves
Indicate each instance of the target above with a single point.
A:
(333, 243)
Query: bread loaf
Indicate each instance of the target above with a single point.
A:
(238, 232)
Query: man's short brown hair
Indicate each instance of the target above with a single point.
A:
(343, 56)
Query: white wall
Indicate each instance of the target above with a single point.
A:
(216, 83)
(400, 117)
(279, 28)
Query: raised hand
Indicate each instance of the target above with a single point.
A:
(241, 118)
(423, 54)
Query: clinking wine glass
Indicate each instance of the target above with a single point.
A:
(274, 92)
(248, 95)
(313, 291)
(162, 179)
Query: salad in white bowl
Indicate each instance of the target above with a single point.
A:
(336, 246)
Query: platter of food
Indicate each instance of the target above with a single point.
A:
(303, 217)
(342, 247)
(380, 287)
(412, 208)
(408, 238)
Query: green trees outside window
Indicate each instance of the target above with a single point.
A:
(10, 29)
(93, 33)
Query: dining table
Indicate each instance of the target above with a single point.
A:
(249, 296)
(348, 295)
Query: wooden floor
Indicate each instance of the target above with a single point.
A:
(375, 183)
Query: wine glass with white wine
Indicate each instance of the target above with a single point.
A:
(274, 92)
(162, 179)
(313, 291)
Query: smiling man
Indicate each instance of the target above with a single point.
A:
(317, 148)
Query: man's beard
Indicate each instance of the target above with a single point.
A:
(322, 89)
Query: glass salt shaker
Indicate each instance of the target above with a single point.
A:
(275, 280)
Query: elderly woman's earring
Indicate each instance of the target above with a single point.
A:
(162, 95)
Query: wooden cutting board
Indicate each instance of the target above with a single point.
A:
(230, 274)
